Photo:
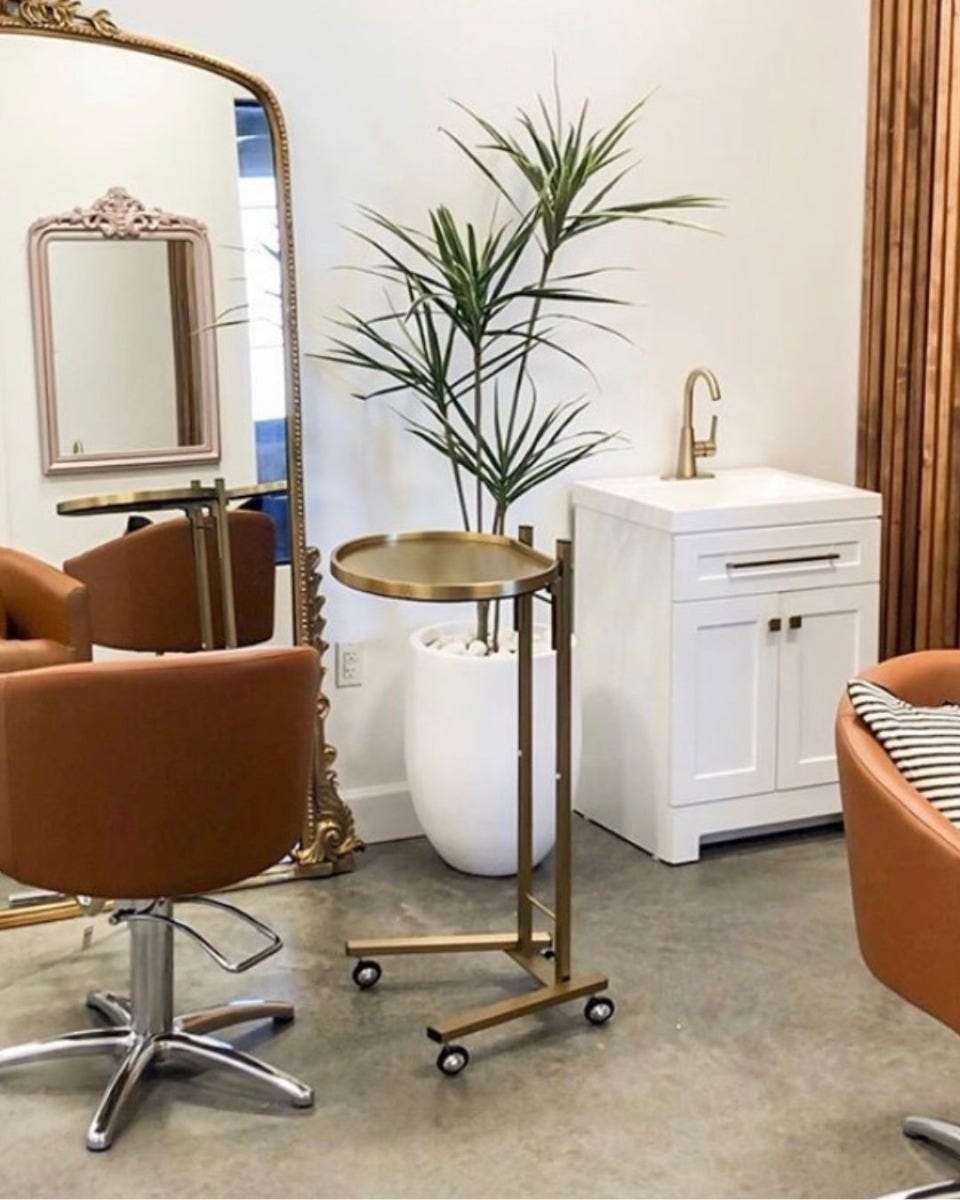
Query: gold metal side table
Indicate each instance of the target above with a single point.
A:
(450, 566)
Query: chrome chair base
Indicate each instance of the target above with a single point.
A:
(184, 1044)
(143, 1033)
(944, 1134)
(948, 1190)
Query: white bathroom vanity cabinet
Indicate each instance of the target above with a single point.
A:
(718, 621)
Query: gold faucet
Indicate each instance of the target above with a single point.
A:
(690, 448)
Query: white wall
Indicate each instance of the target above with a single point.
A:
(761, 102)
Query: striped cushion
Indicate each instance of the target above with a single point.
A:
(924, 743)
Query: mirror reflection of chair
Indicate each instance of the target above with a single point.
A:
(44, 615)
(905, 862)
(143, 586)
(184, 775)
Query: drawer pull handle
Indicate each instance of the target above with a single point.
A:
(796, 622)
(774, 624)
(782, 562)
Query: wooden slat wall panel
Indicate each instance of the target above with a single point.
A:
(908, 440)
(916, 366)
(898, 272)
(949, 458)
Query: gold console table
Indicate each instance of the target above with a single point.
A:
(450, 566)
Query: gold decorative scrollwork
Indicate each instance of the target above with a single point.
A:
(63, 15)
(330, 834)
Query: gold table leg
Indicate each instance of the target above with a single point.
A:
(562, 596)
(533, 951)
(457, 943)
(519, 1006)
(202, 569)
(221, 518)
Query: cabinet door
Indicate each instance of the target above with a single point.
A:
(724, 704)
(836, 637)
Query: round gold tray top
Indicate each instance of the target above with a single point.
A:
(119, 502)
(442, 565)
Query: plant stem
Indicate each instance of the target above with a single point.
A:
(478, 430)
(455, 466)
(483, 607)
(499, 524)
(528, 343)
(483, 622)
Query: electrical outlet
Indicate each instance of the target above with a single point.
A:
(349, 664)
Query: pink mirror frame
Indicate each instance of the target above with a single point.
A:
(116, 217)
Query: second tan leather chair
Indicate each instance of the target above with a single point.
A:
(904, 861)
(149, 782)
(143, 588)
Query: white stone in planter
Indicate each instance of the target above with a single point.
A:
(460, 734)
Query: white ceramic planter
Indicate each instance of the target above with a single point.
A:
(460, 733)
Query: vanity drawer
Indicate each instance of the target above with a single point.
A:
(741, 562)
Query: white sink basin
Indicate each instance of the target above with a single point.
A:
(740, 498)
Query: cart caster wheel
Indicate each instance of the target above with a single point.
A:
(366, 974)
(599, 1010)
(452, 1060)
(548, 953)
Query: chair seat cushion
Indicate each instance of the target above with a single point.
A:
(28, 655)
(924, 743)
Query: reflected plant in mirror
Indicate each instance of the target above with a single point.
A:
(471, 312)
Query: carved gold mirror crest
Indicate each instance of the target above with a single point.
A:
(329, 840)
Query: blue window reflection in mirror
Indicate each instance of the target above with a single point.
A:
(263, 311)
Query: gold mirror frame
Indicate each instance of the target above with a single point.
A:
(119, 217)
(329, 841)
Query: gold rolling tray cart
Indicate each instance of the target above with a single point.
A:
(450, 566)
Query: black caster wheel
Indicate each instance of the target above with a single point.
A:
(599, 1010)
(452, 1060)
(366, 974)
(548, 953)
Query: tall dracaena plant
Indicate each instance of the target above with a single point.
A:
(467, 311)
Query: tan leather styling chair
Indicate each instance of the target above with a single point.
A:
(904, 861)
(152, 781)
(44, 615)
(143, 586)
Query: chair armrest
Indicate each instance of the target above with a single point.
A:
(904, 869)
(42, 602)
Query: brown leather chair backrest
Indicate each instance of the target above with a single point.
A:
(158, 777)
(143, 589)
(904, 855)
(40, 603)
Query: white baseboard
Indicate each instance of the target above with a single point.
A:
(384, 813)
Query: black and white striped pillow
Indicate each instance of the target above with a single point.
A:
(924, 743)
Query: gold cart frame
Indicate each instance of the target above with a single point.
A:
(450, 566)
(328, 841)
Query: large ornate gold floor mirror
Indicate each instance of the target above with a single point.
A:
(148, 335)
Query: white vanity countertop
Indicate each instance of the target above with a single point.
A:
(740, 498)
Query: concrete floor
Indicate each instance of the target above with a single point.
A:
(751, 1054)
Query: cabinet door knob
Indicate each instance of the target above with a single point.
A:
(796, 622)
(774, 624)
